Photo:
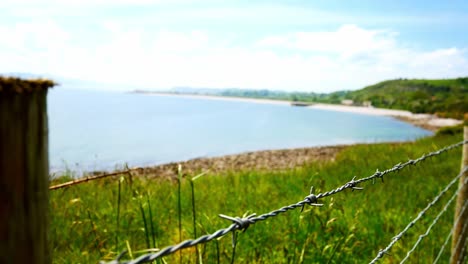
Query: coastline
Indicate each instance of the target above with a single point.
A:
(277, 160)
(426, 121)
(265, 160)
(221, 98)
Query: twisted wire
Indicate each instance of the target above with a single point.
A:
(442, 248)
(311, 199)
(434, 222)
(465, 225)
(182, 245)
(395, 239)
(379, 174)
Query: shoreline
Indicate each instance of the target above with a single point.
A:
(264, 160)
(276, 160)
(220, 98)
(426, 121)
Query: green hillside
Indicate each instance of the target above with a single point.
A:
(447, 97)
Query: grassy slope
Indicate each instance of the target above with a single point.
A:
(447, 97)
(444, 97)
(350, 228)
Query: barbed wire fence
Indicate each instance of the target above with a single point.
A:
(442, 248)
(434, 222)
(242, 223)
(420, 215)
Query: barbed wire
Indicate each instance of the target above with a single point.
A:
(243, 223)
(434, 222)
(395, 239)
(397, 167)
(442, 248)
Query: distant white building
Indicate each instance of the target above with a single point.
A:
(347, 102)
(367, 104)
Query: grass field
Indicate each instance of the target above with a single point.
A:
(97, 220)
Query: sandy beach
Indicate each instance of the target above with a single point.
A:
(223, 98)
(426, 121)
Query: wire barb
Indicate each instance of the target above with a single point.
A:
(377, 174)
(352, 184)
(241, 223)
(311, 199)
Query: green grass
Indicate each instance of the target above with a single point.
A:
(97, 220)
(445, 97)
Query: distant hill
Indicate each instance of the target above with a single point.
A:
(446, 98)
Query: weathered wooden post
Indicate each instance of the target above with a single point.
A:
(24, 171)
(458, 248)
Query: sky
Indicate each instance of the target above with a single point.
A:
(313, 46)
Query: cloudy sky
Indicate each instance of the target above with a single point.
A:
(316, 46)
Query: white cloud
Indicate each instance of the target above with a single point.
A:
(347, 58)
(347, 40)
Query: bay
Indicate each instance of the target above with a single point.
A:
(98, 130)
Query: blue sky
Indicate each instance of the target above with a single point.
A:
(318, 46)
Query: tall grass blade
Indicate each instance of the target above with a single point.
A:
(234, 246)
(179, 205)
(150, 213)
(94, 232)
(118, 214)
(194, 218)
(129, 249)
(145, 224)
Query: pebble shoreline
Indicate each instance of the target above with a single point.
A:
(267, 160)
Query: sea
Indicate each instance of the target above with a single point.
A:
(101, 130)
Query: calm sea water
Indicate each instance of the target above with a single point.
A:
(92, 130)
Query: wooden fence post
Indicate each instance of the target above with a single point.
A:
(458, 251)
(24, 171)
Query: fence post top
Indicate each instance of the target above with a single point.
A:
(15, 85)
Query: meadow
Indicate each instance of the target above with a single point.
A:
(97, 220)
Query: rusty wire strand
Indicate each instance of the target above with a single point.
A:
(434, 222)
(311, 199)
(395, 239)
(442, 248)
(91, 178)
